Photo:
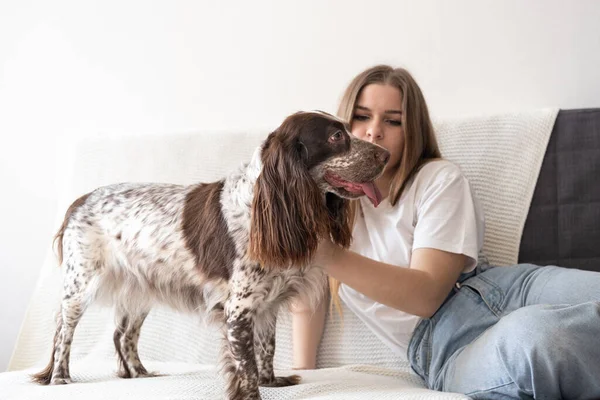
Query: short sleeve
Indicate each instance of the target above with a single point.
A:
(448, 217)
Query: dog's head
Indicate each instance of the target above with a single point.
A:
(311, 165)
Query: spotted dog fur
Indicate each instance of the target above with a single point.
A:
(237, 249)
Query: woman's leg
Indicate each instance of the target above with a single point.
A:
(544, 344)
(527, 284)
(509, 330)
(539, 351)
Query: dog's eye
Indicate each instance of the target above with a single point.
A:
(336, 137)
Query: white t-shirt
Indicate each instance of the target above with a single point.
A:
(437, 210)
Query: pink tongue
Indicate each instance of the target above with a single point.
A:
(372, 192)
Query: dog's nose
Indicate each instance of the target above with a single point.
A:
(382, 156)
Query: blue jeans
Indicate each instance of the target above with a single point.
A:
(514, 332)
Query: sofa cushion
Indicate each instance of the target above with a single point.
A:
(563, 224)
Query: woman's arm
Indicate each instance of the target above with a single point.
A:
(418, 290)
(307, 329)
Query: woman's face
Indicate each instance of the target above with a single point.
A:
(378, 119)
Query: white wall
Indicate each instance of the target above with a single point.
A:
(140, 67)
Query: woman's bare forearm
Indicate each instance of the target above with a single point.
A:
(307, 329)
(418, 290)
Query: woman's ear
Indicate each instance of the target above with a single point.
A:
(288, 215)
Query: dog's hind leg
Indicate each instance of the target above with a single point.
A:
(126, 337)
(77, 295)
(43, 377)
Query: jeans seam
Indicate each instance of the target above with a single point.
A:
(429, 349)
(499, 305)
(421, 330)
(425, 371)
(541, 290)
(490, 389)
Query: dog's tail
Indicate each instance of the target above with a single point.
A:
(45, 376)
(61, 232)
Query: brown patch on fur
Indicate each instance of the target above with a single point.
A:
(339, 220)
(205, 231)
(59, 235)
(288, 216)
(45, 376)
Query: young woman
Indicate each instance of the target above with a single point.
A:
(414, 274)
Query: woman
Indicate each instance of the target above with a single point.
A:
(414, 275)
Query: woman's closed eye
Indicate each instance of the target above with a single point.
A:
(393, 122)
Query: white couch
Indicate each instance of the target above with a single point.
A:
(352, 362)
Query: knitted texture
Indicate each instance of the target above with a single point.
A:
(501, 155)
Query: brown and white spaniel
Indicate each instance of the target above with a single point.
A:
(236, 249)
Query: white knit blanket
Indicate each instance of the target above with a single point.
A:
(501, 155)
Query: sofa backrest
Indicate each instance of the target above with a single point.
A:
(563, 223)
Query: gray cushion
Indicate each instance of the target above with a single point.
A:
(563, 224)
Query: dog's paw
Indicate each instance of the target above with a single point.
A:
(281, 381)
(137, 372)
(60, 381)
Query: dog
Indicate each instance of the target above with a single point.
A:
(236, 249)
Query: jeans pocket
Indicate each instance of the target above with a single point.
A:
(490, 293)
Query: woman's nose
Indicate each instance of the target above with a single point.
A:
(374, 132)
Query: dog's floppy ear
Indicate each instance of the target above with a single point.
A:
(339, 219)
(288, 215)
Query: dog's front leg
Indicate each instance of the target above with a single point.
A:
(264, 345)
(241, 368)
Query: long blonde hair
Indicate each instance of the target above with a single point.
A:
(420, 144)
